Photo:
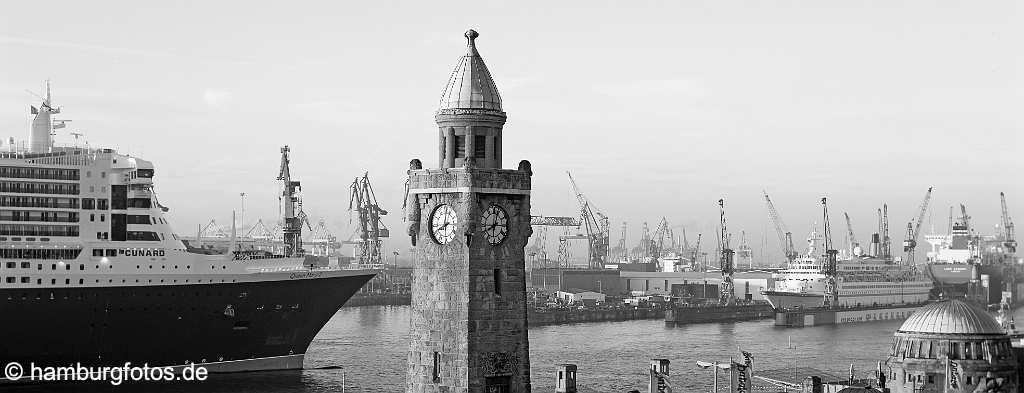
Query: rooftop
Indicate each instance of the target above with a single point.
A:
(951, 317)
(470, 86)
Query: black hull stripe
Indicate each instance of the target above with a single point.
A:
(168, 325)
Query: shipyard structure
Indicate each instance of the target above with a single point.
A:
(469, 222)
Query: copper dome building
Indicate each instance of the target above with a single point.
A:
(951, 338)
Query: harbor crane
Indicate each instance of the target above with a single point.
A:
(785, 236)
(658, 240)
(542, 236)
(1008, 239)
(596, 225)
(830, 266)
(291, 203)
(696, 253)
(363, 202)
(725, 292)
(886, 241)
(914, 230)
(855, 249)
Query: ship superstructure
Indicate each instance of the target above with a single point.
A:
(860, 281)
(91, 271)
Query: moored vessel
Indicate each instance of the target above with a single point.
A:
(91, 271)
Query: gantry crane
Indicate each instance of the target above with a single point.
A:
(596, 224)
(291, 207)
(541, 243)
(363, 202)
(1009, 241)
(725, 292)
(785, 236)
(914, 230)
(855, 249)
(830, 266)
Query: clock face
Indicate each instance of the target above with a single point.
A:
(442, 224)
(494, 224)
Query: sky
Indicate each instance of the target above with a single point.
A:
(657, 108)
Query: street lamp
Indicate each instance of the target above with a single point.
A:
(714, 366)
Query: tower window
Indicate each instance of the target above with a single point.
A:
(479, 146)
(497, 282)
(437, 367)
(460, 146)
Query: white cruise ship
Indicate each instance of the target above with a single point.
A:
(861, 282)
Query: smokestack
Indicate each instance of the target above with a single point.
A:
(39, 135)
(875, 249)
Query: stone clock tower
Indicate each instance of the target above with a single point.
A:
(469, 220)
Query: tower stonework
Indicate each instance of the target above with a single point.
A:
(469, 222)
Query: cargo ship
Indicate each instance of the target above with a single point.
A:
(980, 269)
(91, 271)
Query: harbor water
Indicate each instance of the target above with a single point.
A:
(364, 348)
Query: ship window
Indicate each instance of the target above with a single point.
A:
(26, 265)
(11, 265)
(26, 280)
(11, 280)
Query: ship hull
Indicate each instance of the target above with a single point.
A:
(950, 273)
(243, 326)
(821, 316)
(790, 300)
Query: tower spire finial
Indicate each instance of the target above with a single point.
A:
(471, 42)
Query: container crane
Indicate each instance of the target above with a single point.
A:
(914, 229)
(830, 266)
(855, 248)
(1008, 239)
(725, 293)
(596, 224)
(363, 202)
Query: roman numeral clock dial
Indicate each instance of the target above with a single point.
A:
(494, 223)
(442, 224)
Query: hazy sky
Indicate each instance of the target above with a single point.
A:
(658, 109)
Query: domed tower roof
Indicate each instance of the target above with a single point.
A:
(951, 317)
(471, 86)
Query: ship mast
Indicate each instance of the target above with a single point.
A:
(292, 207)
